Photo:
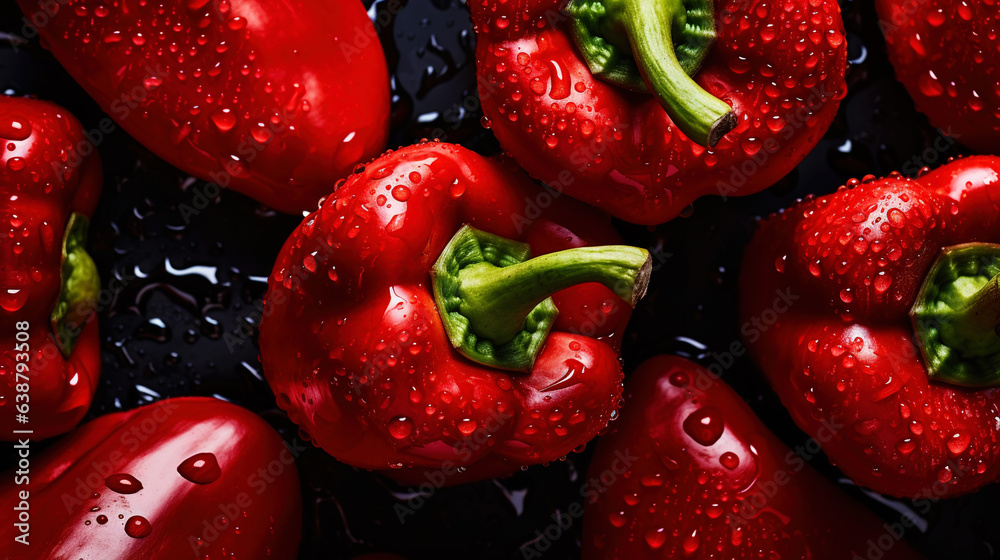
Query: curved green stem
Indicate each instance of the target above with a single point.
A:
(665, 41)
(498, 300)
(494, 299)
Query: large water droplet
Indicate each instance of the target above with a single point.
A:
(201, 468)
(729, 460)
(958, 443)
(400, 427)
(13, 299)
(123, 483)
(655, 538)
(929, 85)
(691, 542)
(224, 119)
(15, 128)
(401, 193)
(705, 425)
(467, 426)
(138, 527)
(16, 164)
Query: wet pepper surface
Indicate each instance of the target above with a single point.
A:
(188, 265)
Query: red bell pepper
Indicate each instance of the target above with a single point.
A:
(49, 184)
(946, 53)
(182, 478)
(890, 333)
(566, 91)
(275, 99)
(400, 335)
(690, 472)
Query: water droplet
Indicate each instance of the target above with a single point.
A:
(945, 475)
(262, 134)
(561, 80)
(16, 164)
(958, 443)
(936, 17)
(896, 217)
(467, 426)
(617, 519)
(814, 268)
(13, 299)
(729, 460)
(123, 483)
(882, 282)
(400, 427)
(15, 129)
(691, 542)
(201, 468)
(224, 119)
(906, 446)
(705, 425)
(751, 145)
(138, 527)
(401, 193)
(655, 538)
(929, 84)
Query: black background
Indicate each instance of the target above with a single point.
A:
(164, 335)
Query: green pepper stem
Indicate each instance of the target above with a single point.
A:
(978, 320)
(493, 298)
(701, 116)
(80, 286)
(956, 314)
(498, 300)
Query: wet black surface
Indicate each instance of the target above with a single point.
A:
(189, 272)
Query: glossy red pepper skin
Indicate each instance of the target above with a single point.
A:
(249, 507)
(707, 479)
(248, 94)
(620, 151)
(43, 180)
(946, 53)
(826, 290)
(352, 342)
